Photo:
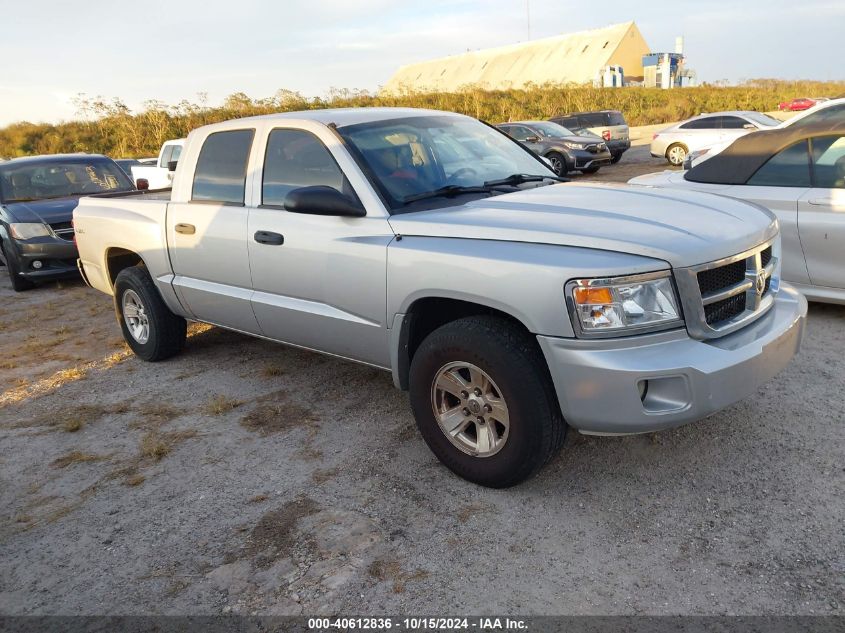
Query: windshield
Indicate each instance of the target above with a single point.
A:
(408, 157)
(60, 179)
(762, 119)
(551, 130)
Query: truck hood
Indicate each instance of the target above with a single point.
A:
(674, 179)
(46, 211)
(683, 228)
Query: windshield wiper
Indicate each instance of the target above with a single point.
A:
(447, 192)
(453, 190)
(518, 179)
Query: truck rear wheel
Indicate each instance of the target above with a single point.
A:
(484, 402)
(149, 327)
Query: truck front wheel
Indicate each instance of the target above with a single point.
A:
(483, 401)
(152, 331)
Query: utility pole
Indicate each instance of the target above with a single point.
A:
(528, 18)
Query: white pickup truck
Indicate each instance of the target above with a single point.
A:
(160, 175)
(434, 246)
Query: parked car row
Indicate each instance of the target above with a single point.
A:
(581, 141)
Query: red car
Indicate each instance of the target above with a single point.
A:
(800, 103)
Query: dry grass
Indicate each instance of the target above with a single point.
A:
(76, 457)
(156, 445)
(471, 510)
(71, 419)
(72, 425)
(114, 130)
(135, 480)
(322, 475)
(220, 404)
(275, 413)
(391, 570)
(272, 371)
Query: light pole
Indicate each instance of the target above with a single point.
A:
(528, 18)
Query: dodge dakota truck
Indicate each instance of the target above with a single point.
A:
(431, 245)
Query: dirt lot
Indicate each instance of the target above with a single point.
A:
(252, 478)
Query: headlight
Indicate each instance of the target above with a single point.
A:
(623, 305)
(27, 230)
(573, 145)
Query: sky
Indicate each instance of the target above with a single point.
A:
(170, 50)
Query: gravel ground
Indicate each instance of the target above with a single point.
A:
(244, 477)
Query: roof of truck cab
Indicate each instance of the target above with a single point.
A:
(347, 116)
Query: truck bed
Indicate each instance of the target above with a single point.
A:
(133, 222)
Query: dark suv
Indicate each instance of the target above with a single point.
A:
(37, 198)
(608, 124)
(565, 150)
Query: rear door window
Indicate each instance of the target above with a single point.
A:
(788, 168)
(616, 118)
(733, 123)
(570, 122)
(520, 132)
(220, 175)
(593, 119)
(704, 123)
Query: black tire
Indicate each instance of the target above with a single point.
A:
(615, 158)
(559, 164)
(590, 170)
(512, 359)
(167, 332)
(19, 284)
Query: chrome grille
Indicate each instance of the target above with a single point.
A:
(63, 230)
(723, 296)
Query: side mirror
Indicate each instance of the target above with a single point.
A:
(322, 200)
(532, 139)
(142, 184)
(749, 126)
(171, 166)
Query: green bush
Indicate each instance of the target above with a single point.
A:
(109, 127)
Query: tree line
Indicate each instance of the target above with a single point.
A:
(108, 126)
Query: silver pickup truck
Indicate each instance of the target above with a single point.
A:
(433, 246)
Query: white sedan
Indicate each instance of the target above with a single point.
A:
(676, 141)
(827, 110)
(798, 173)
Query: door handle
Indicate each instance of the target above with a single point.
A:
(268, 237)
(186, 229)
(821, 202)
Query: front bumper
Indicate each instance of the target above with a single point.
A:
(57, 257)
(599, 383)
(585, 160)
